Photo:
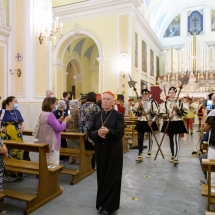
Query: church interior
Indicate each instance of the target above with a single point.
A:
(81, 46)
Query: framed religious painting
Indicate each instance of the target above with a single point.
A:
(157, 66)
(212, 20)
(152, 66)
(174, 28)
(195, 22)
(136, 50)
(144, 56)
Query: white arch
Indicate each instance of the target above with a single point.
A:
(72, 58)
(2, 14)
(73, 33)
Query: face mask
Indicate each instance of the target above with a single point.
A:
(52, 96)
(15, 106)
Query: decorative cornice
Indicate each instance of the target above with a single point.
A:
(4, 33)
(58, 65)
(95, 8)
(141, 21)
(101, 60)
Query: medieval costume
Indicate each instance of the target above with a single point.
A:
(176, 125)
(151, 110)
(109, 157)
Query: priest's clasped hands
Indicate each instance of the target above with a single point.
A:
(103, 131)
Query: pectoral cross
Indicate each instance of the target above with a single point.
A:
(195, 20)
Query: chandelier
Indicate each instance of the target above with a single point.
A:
(51, 32)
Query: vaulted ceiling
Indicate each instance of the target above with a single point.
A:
(159, 13)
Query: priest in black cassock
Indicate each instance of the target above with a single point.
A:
(106, 131)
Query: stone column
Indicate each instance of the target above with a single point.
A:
(101, 61)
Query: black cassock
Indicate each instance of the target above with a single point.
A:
(109, 158)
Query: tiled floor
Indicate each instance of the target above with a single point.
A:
(168, 190)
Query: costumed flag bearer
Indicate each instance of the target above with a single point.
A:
(151, 110)
(176, 125)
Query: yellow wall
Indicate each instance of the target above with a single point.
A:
(6, 10)
(124, 33)
(70, 77)
(19, 45)
(58, 3)
(2, 71)
(105, 29)
(60, 83)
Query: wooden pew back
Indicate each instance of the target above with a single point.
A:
(84, 168)
(209, 166)
(48, 186)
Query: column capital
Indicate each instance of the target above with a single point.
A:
(101, 60)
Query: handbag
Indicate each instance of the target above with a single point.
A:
(35, 132)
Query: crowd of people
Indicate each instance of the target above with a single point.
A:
(103, 121)
(69, 116)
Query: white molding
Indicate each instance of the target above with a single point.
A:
(71, 34)
(101, 60)
(5, 69)
(11, 47)
(95, 8)
(143, 27)
(2, 15)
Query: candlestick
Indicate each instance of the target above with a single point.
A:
(211, 63)
(54, 41)
(57, 21)
(61, 27)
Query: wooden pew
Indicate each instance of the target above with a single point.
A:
(85, 168)
(209, 166)
(127, 138)
(205, 146)
(48, 186)
(131, 123)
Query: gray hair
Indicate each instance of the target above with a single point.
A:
(61, 103)
(74, 103)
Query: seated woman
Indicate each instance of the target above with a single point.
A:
(73, 126)
(50, 128)
(13, 124)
